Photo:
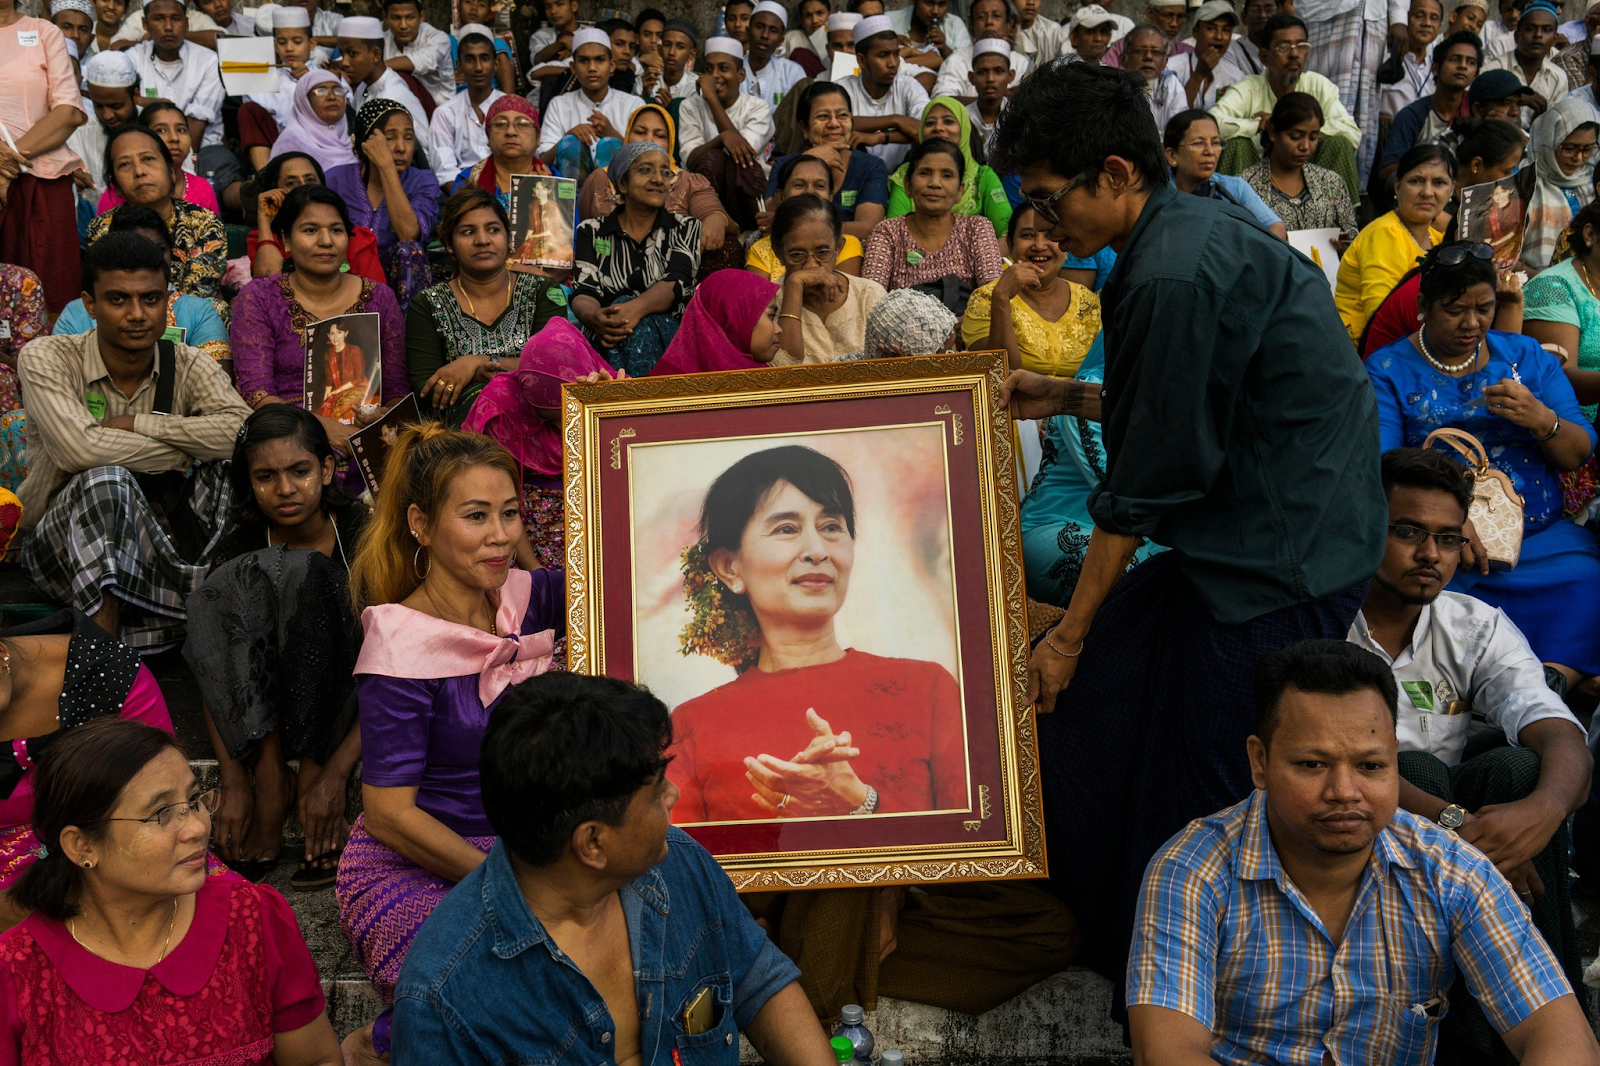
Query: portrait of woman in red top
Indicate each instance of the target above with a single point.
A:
(809, 728)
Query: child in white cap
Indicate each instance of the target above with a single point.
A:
(885, 103)
(582, 129)
(994, 21)
(360, 40)
(768, 76)
(412, 46)
(725, 133)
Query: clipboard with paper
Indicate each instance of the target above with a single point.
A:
(1318, 246)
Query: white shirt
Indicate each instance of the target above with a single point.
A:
(1182, 65)
(1465, 656)
(132, 28)
(772, 81)
(906, 96)
(749, 115)
(391, 86)
(456, 137)
(430, 60)
(543, 38)
(1042, 42)
(955, 31)
(984, 129)
(1416, 81)
(1497, 40)
(1167, 98)
(1550, 82)
(685, 86)
(1582, 92)
(574, 108)
(192, 83)
(89, 141)
(952, 79)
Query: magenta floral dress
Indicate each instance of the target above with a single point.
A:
(22, 318)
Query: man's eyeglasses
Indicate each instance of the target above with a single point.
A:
(176, 814)
(1286, 49)
(1456, 254)
(1046, 208)
(1412, 535)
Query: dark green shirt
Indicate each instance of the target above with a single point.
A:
(1240, 427)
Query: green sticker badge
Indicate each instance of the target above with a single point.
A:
(1421, 693)
(96, 404)
(913, 257)
(847, 198)
(558, 296)
(175, 334)
(602, 246)
(566, 189)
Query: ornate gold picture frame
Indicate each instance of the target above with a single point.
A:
(818, 569)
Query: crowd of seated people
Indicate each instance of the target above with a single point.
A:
(1232, 262)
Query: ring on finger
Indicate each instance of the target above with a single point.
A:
(785, 801)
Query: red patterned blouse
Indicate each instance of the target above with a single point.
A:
(241, 973)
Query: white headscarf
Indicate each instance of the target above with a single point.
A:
(1549, 212)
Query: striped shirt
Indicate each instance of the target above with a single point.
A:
(1224, 936)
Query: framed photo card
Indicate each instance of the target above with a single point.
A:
(343, 364)
(818, 569)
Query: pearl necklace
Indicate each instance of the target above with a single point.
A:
(1448, 368)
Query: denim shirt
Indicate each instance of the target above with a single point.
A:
(484, 983)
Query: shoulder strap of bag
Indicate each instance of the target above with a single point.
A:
(1463, 442)
(166, 376)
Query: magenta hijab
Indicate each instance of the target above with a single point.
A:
(305, 132)
(716, 328)
(505, 409)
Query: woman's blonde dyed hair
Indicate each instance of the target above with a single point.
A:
(423, 463)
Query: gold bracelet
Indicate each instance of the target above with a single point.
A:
(1064, 654)
(781, 317)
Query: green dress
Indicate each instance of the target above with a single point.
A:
(1558, 294)
(439, 330)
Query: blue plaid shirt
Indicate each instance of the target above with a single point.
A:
(1224, 936)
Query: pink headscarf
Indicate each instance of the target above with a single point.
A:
(305, 132)
(716, 328)
(504, 410)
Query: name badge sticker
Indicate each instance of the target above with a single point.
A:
(28, 38)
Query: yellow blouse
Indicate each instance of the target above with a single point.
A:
(763, 258)
(1055, 348)
(1372, 266)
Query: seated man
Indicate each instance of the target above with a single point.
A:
(679, 42)
(1202, 69)
(725, 133)
(885, 102)
(1241, 110)
(550, 46)
(767, 76)
(582, 128)
(126, 489)
(456, 135)
(113, 92)
(1456, 60)
(927, 35)
(361, 44)
(411, 46)
(1041, 40)
(1146, 56)
(1315, 922)
(593, 930)
(1089, 34)
(1455, 656)
(1529, 59)
(1168, 17)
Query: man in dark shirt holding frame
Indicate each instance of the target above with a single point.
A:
(1241, 433)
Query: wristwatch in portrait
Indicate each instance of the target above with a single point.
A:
(1452, 816)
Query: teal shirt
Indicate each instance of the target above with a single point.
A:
(1559, 295)
(1240, 427)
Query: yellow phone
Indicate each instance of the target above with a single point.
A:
(697, 1016)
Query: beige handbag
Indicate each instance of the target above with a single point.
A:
(1496, 511)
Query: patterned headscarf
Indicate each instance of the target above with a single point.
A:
(486, 172)
(512, 102)
(626, 157)
(373, 114)
(907, 322)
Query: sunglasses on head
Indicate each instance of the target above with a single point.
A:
(1456, 254)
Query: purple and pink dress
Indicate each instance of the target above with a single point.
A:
(426, 688)
(240, 975)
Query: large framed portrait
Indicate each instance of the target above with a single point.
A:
(818, 570)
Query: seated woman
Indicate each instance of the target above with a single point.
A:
(392, 194)
(1562, 147)
(635, 268)
(287, 171)
(946, 118)
(829, 307)
(441, 600)
(317, 124)
(1396, 317)
(1511, 394)
(933, 248)
(860, 180)
(271, 315)
(740, 598)
(512, 127)
(801, 175)
(1485, 150)
(272, 641)
(691, 194)
(198, 319)
(172, 126)
(130, 945)
(1193, 147)
(458, 331)
(731, 323)
(522, 410)
(1055, 512)
(64, 671)
(1302, 194)
(139, 167)
(1049, 322)
(1391, 243)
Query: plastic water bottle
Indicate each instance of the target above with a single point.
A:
(854, 1030)
(892, 1058)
